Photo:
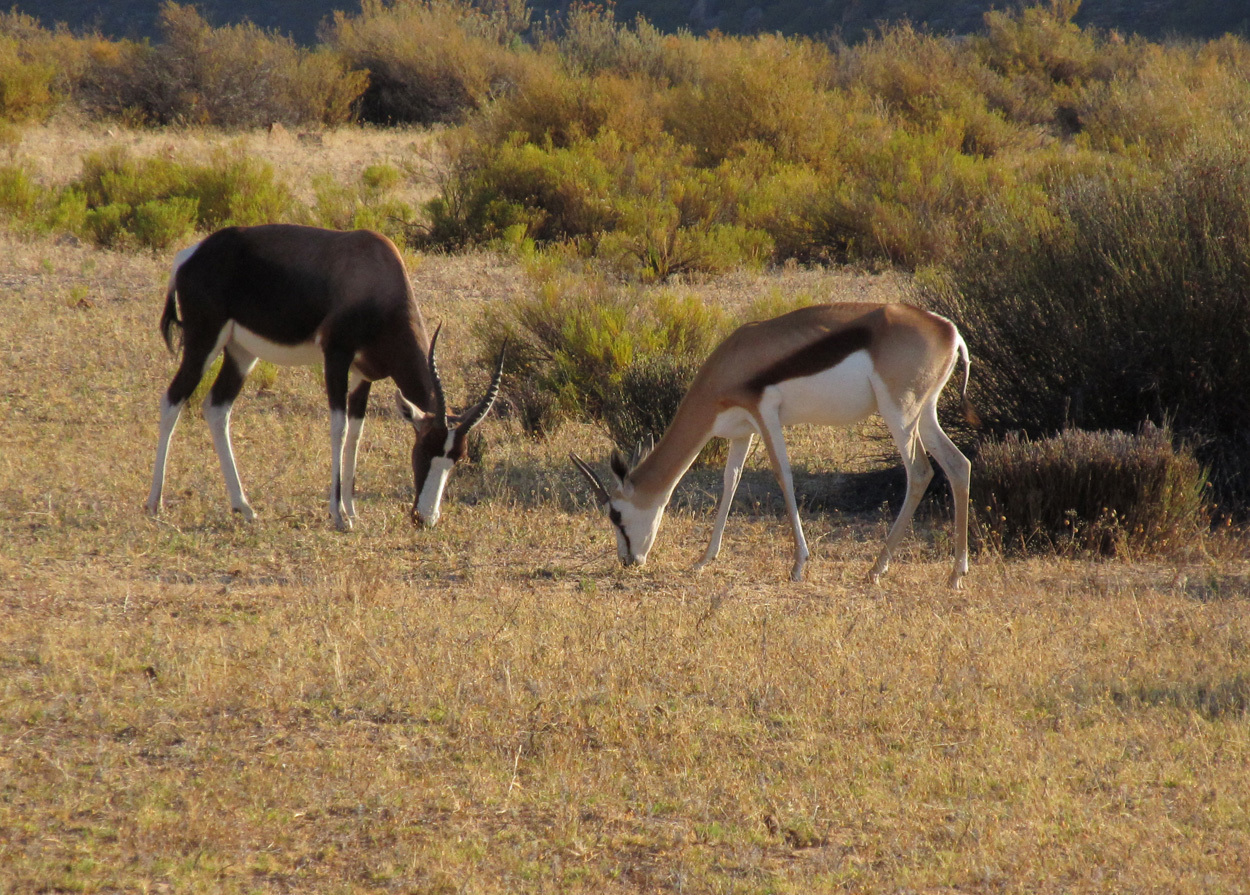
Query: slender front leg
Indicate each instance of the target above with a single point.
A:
(357, 401)
(338, 364)
(738, 450)
(769, 421)
(235, 365)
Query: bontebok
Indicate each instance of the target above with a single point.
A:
(303, 295)
(829, 365)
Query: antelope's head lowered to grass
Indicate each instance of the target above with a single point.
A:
(635, 522)
(824, 365)
(300, 295)
(441, 439)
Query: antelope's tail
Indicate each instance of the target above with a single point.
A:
(169, 319)
(971, 417)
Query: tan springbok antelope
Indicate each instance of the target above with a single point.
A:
(303, 295)
(828, 365)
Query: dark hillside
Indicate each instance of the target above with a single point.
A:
(1156, 19)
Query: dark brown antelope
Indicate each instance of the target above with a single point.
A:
(303, 295)
(827, 365)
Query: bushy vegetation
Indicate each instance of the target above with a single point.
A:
(233, 76)
(585, 347)
(1101, 492)
(119, 201)
(430, 60)
(719, 150)
(1127, 302)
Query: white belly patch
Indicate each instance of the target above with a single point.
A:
(276, 353)
(839, 396)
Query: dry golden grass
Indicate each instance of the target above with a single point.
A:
(199, 704)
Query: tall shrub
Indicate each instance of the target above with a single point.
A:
(233, 76)
(1130, 302)
(429, 60)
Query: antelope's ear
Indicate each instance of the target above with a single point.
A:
(620, 469)
(419, 419)
(620, 472)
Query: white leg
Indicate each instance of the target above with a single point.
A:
(355, 425)
(218, 418)
(235, 367)
(338, 433)
(738, 450)
(769, 421)
(959, 470)
(169, 421)
(903, 427)
(354, 428)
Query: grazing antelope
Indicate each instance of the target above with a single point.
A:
(828, 365)
(302, 295)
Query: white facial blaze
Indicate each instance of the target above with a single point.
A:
(432, 491)
(635, 535)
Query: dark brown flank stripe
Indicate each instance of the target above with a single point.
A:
(821, 355)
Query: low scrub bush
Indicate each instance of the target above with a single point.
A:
(647, 211)
(369, 203)
(30, 207)
(1101, 492)
(581, 348)
(155, 202)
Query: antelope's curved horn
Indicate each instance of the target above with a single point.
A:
(478, 413)
(440, 399)
(601, 493)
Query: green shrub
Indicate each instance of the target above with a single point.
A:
(154, 202)
(108, 224)
(367, 204)
(235, 188)
(1105, 492)
(161, 223)
(581, 348)
(19, 194)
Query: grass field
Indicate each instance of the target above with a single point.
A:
(196, 704)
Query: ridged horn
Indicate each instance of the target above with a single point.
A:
(601, 493)
(440, 399)
(478, 413)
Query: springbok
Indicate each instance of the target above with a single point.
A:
(299, 295)
(828, 365)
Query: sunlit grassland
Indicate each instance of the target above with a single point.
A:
(198, 704)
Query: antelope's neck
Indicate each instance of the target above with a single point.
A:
(657, 475)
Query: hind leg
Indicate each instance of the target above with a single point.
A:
(197, 354)
(903, 427)
(235, 366)
(959, 470)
